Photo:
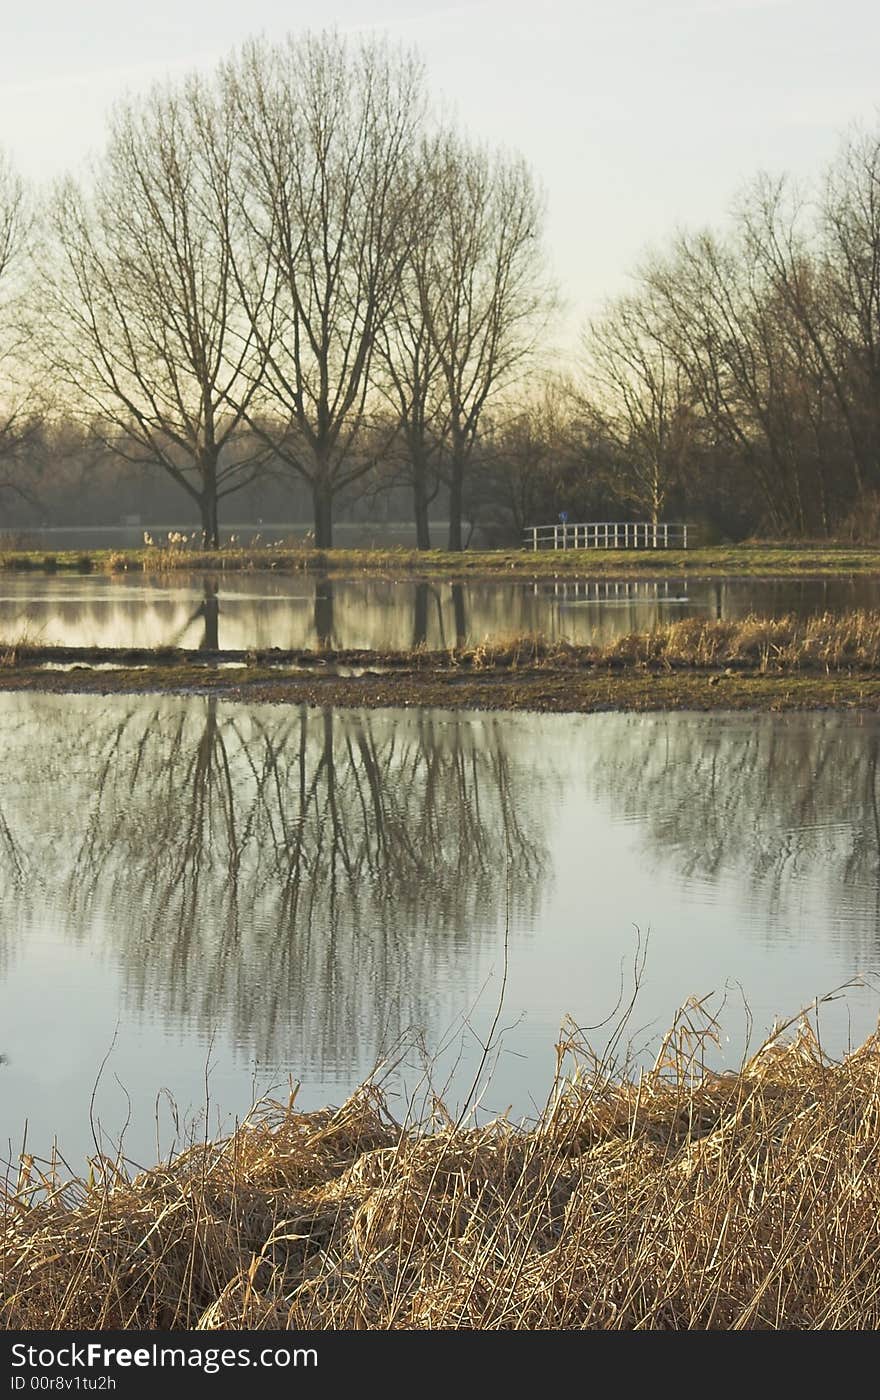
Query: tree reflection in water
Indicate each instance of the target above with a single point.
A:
(307, 879)
(209, 611)
(13, 882)
(308, 884)
(771, 798)
(325, 632)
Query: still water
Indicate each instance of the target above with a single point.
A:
(264, 610)
(216, 898)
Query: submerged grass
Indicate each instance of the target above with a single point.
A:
(678, 1198)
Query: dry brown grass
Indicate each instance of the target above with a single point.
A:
(828, 642)
(674, 1199)
(12, 652)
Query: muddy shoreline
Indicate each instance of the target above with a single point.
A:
(827, 662)
(542, 689)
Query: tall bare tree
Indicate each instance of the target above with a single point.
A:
(642, 402)
(718, 317)
(477, 270)
(325, 128)
(147, 329)
(411, 375)
(20, 416)
(850, 221)
(802, 295)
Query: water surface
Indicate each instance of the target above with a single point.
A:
(220, 897)
(268, 610)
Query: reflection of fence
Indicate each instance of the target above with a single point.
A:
(614, 591)
(606, 535)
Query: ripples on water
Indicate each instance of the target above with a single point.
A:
(276, 891)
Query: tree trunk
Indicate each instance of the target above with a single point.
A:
(456, 493)
(656, 495)
(420, 503)
(210, 522)
(208, 500)
(322, 497)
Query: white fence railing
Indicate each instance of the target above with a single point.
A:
(603, 534)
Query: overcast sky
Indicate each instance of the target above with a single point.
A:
(637, 115)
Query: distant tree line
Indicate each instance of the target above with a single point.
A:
(289, 283)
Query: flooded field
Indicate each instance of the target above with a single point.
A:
(265, 610)
(218, 898)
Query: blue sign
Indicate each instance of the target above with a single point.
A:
(563, 516)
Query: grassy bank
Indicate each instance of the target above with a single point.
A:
(678, 1199)
(757, 663)
(759, 560)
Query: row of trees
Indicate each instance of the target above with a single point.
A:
(290, 273)
(738, 382)
(288, 264)
(753, 359)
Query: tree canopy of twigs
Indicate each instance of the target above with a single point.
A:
(287, 278)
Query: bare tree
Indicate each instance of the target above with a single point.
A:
(529, 462)
(850, 226)
(643, 402)
(325, 130)
(482, 299)
(411, 376)
(147, 329)
(823, 264)
(718, 317)
(20, 413)
(803, 299)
